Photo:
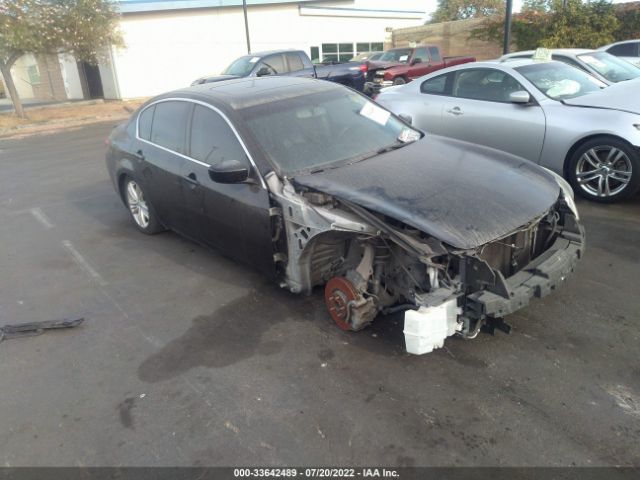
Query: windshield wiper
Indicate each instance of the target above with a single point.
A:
(393, 146)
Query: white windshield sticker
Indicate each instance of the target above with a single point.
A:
(375, 113)
(254, 59)
(403, 58)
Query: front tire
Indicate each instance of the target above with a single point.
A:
(605, 170)
(142, 214)
(399, 81)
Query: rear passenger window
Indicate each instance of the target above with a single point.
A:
(435, 54)
(169, 125)
(144, 123)
(212, 140)
(435, 86)
(295, 63)
(624, 50)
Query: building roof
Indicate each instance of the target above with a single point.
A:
(135, 6)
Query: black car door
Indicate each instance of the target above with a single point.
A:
(233, 218)
(162, 143)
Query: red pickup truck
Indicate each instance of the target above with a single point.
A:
(401, 65)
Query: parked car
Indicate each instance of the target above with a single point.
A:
(547, 112)
(401, 65)
(293, 63)
(602, 65)
(314, 184)
(628, 50)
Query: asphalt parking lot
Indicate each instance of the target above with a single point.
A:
(187, 358)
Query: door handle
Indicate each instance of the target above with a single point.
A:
(455, 111)
(192, 180)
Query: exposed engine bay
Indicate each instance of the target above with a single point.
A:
(372, 264)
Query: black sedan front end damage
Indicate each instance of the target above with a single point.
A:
(553, 257)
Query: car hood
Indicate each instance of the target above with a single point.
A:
(622, 96)
(214, 78)
(376, 65)
(457, 192)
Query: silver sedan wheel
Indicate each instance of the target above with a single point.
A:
(137, 204)
(603, 171)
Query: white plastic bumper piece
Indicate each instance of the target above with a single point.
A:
(427, 327)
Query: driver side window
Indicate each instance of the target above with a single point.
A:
(485, 84)
(273, 64)
(212, 140)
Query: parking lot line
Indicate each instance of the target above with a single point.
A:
(40, 216)
(84, 264)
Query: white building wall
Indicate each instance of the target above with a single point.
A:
(169, 49)
(20, 74)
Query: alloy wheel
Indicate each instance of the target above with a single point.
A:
(137, 204)
(603, 171)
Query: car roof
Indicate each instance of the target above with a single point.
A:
(622, 42)
(557, 51)
(271, 52)
(518, 62)
(240, 93)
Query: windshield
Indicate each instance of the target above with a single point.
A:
(242, 66)
(610, 67)
(320, 130)
(396, 55)
(559, 81)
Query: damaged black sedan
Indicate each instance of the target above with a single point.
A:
(315, 185)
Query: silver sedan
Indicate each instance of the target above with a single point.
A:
(547, 112)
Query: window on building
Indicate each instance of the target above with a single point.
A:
(212, 140)
(337, 52)
(369, 47)
(315, 54)
(169, 125)
(34, 74)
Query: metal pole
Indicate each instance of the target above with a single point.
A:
(246, 24)
(507, 28)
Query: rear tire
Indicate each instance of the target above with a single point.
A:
(140, 209)
(399, 81)
(605, 170)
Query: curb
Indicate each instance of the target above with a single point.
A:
(54, 126)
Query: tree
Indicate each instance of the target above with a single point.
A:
(449, 10)
(554, 24)
(82, 28)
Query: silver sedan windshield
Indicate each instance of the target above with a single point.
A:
(560, 82)
(610, 67)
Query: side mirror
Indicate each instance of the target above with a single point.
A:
(416, 60)
(406, 118)
(229, 171)
(521, 97)
(263, 72)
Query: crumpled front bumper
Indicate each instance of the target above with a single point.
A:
(536, 280)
